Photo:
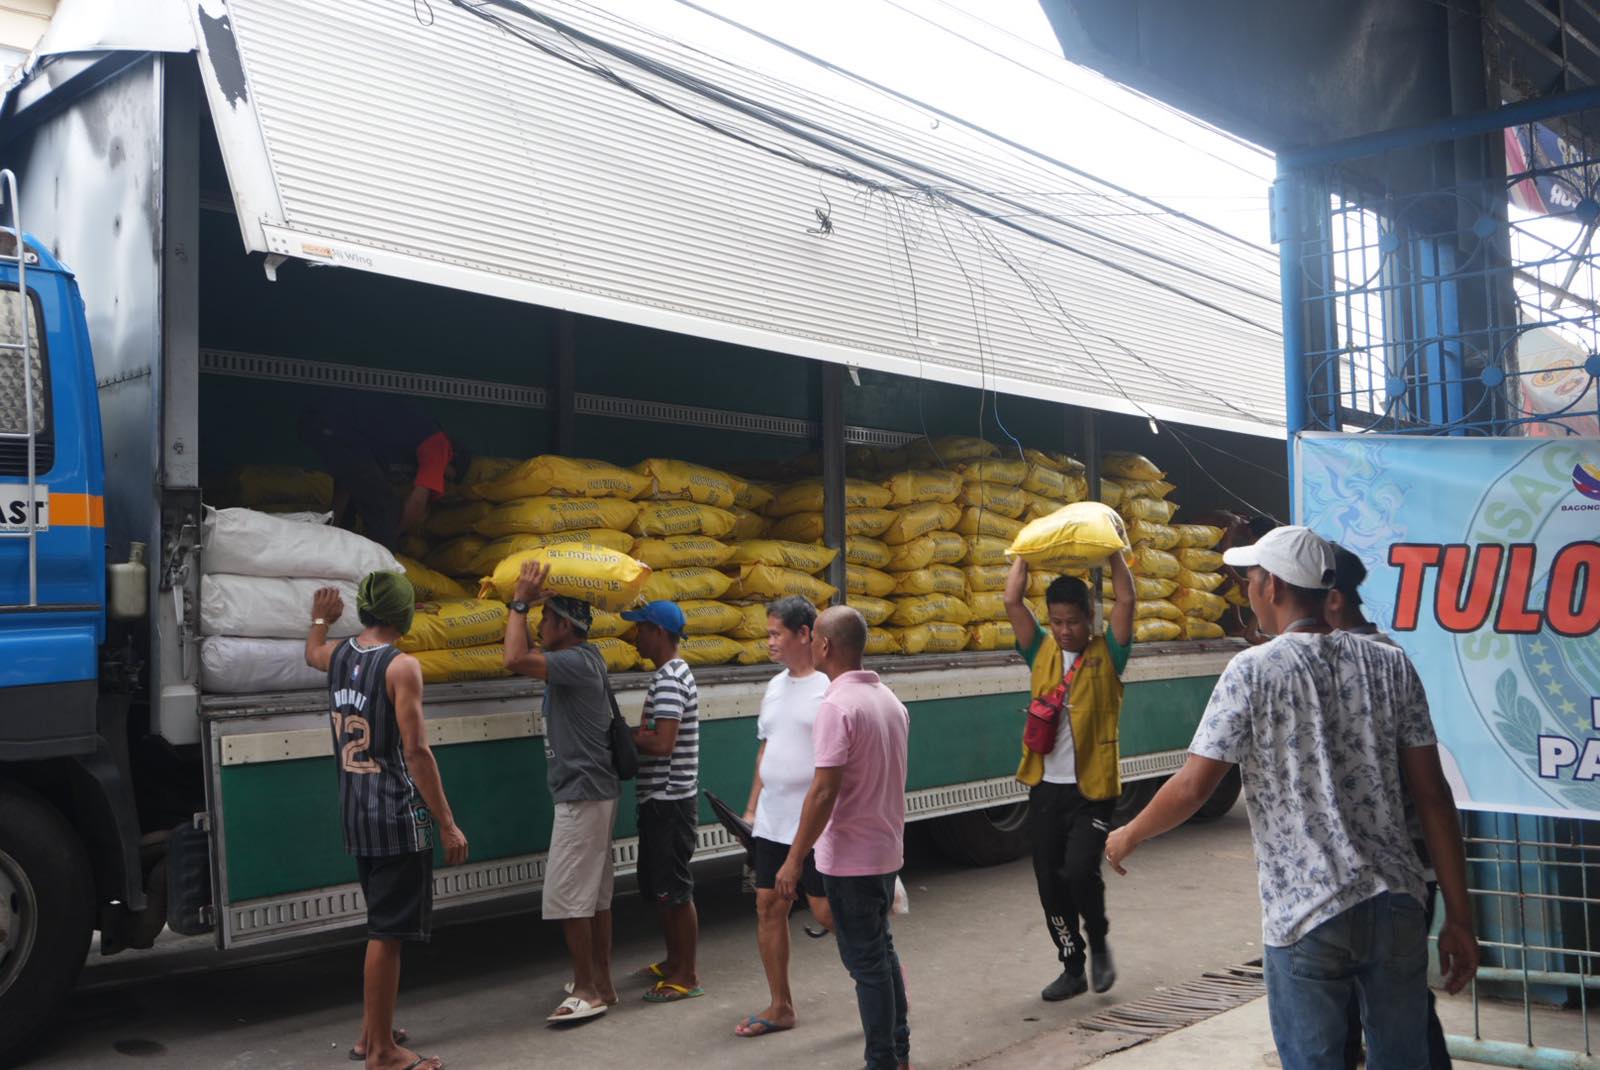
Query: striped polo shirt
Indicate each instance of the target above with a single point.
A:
(383, 812)
(672, 696)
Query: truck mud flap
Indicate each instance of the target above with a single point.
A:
(189, 901)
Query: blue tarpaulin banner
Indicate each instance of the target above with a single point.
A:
(1484, 565)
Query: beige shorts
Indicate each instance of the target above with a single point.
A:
(578, 874)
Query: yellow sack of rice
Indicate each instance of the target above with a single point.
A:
(1055, 484)
(808, 527)
(448, 521)
(928, 607)
(935, 579)
(987, 550)
(1039, 582)
(702, 616)
(1148, 561)
(1156, 631)
(991, 635)
(975, 522)
(497, 551)
(708, 649)
(619, 654)
(1198, 560)
(1196, 628)
(1130, 466)
(1153, 510)
(752, 623)
(604, 578)
(447, 625)
(1004, 470)
(948, 547)
(660, 519)
(1081, 535)
(1236, 596)
(948, 450)
(429, 584)
(262, 486)
(1111, 492)
(682, 481)
(677, 584)
(881, 642)
(487, 470)
(1059, 462)
(549, 476)
(1160, 536)
(753, 652)
(859, 579)
(766, 582)
(748, 524)
(801, 556)
(915, 554)
(987, 605)
(922, 486)
(1155, 609)
(544, 516)
(1202, 604)
(995, 498)
(455, 557)
(934, 637)
(1200, 581)
(807, 497)
(1198, 536)
(986, 577)
(873, 610)
(1143, 587)
(755, 497)
(681, 551)
(602, 625)
(467, 663)
(914, 520)
(1038, 505)
(860, 550)
(1157, 489)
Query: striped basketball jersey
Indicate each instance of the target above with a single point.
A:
(672, 696)
(383, 812)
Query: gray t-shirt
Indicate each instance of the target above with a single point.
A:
(577, 721)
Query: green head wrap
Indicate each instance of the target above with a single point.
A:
(389, 597)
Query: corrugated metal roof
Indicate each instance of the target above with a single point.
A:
(586, 165)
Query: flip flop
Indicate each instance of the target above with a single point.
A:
(400, 1038)
(766, 1027)
(652, 970)
(667, 992)
(433, 1062)
(578, 1010)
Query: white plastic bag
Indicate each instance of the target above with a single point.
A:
(243, 542)
(230, 665)
(902, 900)
(269, 608)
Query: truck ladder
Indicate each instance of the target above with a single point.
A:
(8, 189)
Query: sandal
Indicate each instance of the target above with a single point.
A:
(400, 1038)
(578, 1010)
(747, 1028)
(667, 992)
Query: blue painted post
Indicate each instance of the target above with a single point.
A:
(1287, 231)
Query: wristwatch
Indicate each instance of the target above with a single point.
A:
(518, 607)
(319, 622)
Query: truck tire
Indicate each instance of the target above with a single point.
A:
(983, 837)
(1221, 800)
(46, 912)
(1136, 795)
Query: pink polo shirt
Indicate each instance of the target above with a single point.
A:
(863, 728)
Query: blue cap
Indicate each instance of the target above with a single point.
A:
(665, 615)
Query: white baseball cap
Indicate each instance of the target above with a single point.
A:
(1293, 554)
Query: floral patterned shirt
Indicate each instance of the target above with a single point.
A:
(1315, 724)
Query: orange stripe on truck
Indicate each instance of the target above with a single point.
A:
(77, 510)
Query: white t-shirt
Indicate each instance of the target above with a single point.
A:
(1061, 764)
(788, 713)
(1316, 724)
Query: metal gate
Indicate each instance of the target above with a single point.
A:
(1444, 281)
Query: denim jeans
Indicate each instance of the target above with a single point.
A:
(861, 923)
(1377, 951)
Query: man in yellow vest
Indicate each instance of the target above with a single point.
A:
(1071, 761)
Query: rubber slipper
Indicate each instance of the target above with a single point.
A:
(578, 1010)
(569, 986)
(743, 1029)
(400, 1038)
(667, 992)
(652, 970)
(432, 1062)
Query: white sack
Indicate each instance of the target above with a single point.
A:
(243, 542)
(269, 608)
(233, 666)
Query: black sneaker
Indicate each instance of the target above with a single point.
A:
(1066, 986)
(1103, 969)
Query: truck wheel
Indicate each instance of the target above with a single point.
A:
(46, 913)
(983, 837)
(1136, 795)
(1221, 800)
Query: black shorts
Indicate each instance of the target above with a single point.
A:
(770, 857)
(399, 894)
(667, 830)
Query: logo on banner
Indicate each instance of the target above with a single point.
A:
(1586, 480)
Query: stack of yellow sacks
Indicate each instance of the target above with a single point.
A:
(1174, 566)
(273, 488)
